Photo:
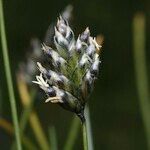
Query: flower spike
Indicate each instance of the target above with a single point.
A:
(69, 77)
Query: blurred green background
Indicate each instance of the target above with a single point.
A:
(115, 112)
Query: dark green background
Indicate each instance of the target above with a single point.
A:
(115, 112)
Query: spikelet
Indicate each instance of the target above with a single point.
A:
(69, 80)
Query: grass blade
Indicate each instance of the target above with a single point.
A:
(141, 71)
(53, 138)
(72, 135)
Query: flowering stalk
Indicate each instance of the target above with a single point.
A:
(85, 139)
(73, 65)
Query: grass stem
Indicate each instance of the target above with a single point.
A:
(9, 78)
(89, 130)
(85, 139)
(72, 135)
(53, 138)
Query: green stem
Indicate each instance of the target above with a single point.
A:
(9, 78)
(89, 130)
(141, 70)
(72, 135)
(53, 138)
(85, 139)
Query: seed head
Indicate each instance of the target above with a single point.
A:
(69, 80)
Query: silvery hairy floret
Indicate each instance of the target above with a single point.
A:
(67, 15)
(74, 66)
